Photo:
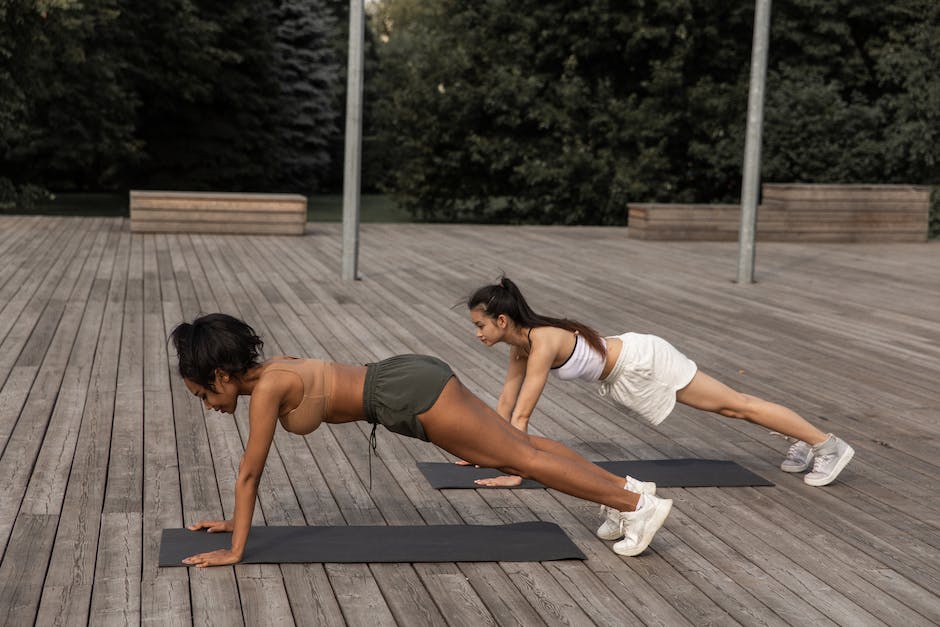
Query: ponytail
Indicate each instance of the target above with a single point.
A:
(503, 298)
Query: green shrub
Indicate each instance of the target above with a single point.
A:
(20, 198)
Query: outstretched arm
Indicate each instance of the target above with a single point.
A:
(535, 374)
(262, 420)
(515, 375)
(525, 380)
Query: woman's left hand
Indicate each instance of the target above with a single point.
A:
(221, 557)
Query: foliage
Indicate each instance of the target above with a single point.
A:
(544, 111)
(245, 102)
(60, 76)
(202, 68)
(373, 153)
(557, 111)
(908, 64)
(198, 94)
(305, 74)
(20, 198)
(854, 95)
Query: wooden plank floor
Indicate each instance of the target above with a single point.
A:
(101, 446)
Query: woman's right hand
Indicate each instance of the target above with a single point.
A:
(212, 526)
(502, 481)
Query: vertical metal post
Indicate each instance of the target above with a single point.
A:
(353, 157)
(750, 182)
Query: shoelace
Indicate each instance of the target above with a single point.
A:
(624, 527)
(794, 452)
(604, 389)
(609, 512)
(821, 460)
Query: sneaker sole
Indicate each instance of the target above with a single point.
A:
(834, 473)
(648, 537)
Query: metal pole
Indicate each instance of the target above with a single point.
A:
(750, 182)
(353, 158)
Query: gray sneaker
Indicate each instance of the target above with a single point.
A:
(831, 457)
(610, 528)
(798, 457)
(640, 526)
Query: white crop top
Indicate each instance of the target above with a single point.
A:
(583, 363)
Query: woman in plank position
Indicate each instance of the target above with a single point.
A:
(413, 395)
(644, 373)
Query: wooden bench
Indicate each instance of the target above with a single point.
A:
(217, 212)
(797, 213)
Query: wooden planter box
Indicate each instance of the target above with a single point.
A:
(797, 213)
(217, 212)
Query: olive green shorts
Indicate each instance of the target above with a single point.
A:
(399, 388)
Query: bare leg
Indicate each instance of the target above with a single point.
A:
(542, 444)
(709, 394)
(465, 426)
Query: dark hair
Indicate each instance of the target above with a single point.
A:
(504, 298)
(215, 341)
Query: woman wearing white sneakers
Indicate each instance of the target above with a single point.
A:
(643, 373)
(413, 395)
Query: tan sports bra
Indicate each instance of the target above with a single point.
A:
(316, 405)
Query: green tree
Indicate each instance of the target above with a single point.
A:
(19, 23)
(553, 111)
(198, 94)
(824, 121)
(202, 69)
(560, 111)
(305, 69)
(908, 64)
(374, 153)
(61, 74)
(237, 95)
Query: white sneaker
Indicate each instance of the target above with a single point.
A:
(831, 457)
(640, 526)
(640, 487)
(610, 528)
(798, 457)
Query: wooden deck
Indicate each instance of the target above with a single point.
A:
(101, 447)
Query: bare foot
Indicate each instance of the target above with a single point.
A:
(461, 462)
(503, 481)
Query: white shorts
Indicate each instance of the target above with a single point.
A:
(647, 375)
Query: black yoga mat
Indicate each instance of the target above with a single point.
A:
(667, 473)
(519, 542)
